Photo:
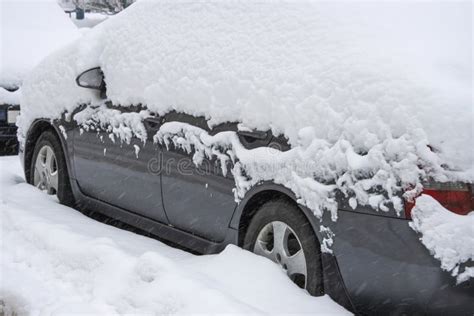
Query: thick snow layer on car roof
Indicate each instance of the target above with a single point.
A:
(362, 72)
(30, 30)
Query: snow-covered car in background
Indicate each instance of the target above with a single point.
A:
(300, 131)
(9, 110)
(31, 30)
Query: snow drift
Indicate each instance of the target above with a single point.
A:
(55, 260)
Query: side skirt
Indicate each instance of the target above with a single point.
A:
(157, 229)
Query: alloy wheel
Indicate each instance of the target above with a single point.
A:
(279, 243)
(46, 170)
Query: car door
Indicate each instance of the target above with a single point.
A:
(197, 199)
(122, 174)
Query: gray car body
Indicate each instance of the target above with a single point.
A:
(378, 266)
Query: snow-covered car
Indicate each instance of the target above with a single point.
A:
(300, 131)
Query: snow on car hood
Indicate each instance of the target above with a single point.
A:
(9, 97)
(31, 30)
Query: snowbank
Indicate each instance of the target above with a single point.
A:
(54, 260)
(31, 30)
(448, 236)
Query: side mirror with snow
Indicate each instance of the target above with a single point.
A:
(92, 79)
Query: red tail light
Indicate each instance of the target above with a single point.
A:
(456, 197)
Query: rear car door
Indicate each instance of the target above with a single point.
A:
(110, 169)
(198, 199)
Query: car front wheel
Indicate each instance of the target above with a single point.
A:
(49, 170)
(280, 232)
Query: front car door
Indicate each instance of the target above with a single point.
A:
(116, 165)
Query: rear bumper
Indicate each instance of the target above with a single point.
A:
(8, 139)
(8, 131)
(387, 270)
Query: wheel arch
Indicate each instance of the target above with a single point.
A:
(256, 197)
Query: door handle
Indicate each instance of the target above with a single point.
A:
(257, 135)
(254, 139)
(152, 123)
(152, 126)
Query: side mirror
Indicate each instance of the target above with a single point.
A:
(92, 79)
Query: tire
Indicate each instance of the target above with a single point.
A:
(273, 216)
(48, 140)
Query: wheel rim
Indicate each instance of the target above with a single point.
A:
(279, 243)
(46, 170)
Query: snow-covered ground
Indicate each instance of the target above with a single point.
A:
(55, 260)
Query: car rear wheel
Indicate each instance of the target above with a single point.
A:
(49, 170)
(280, 232)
